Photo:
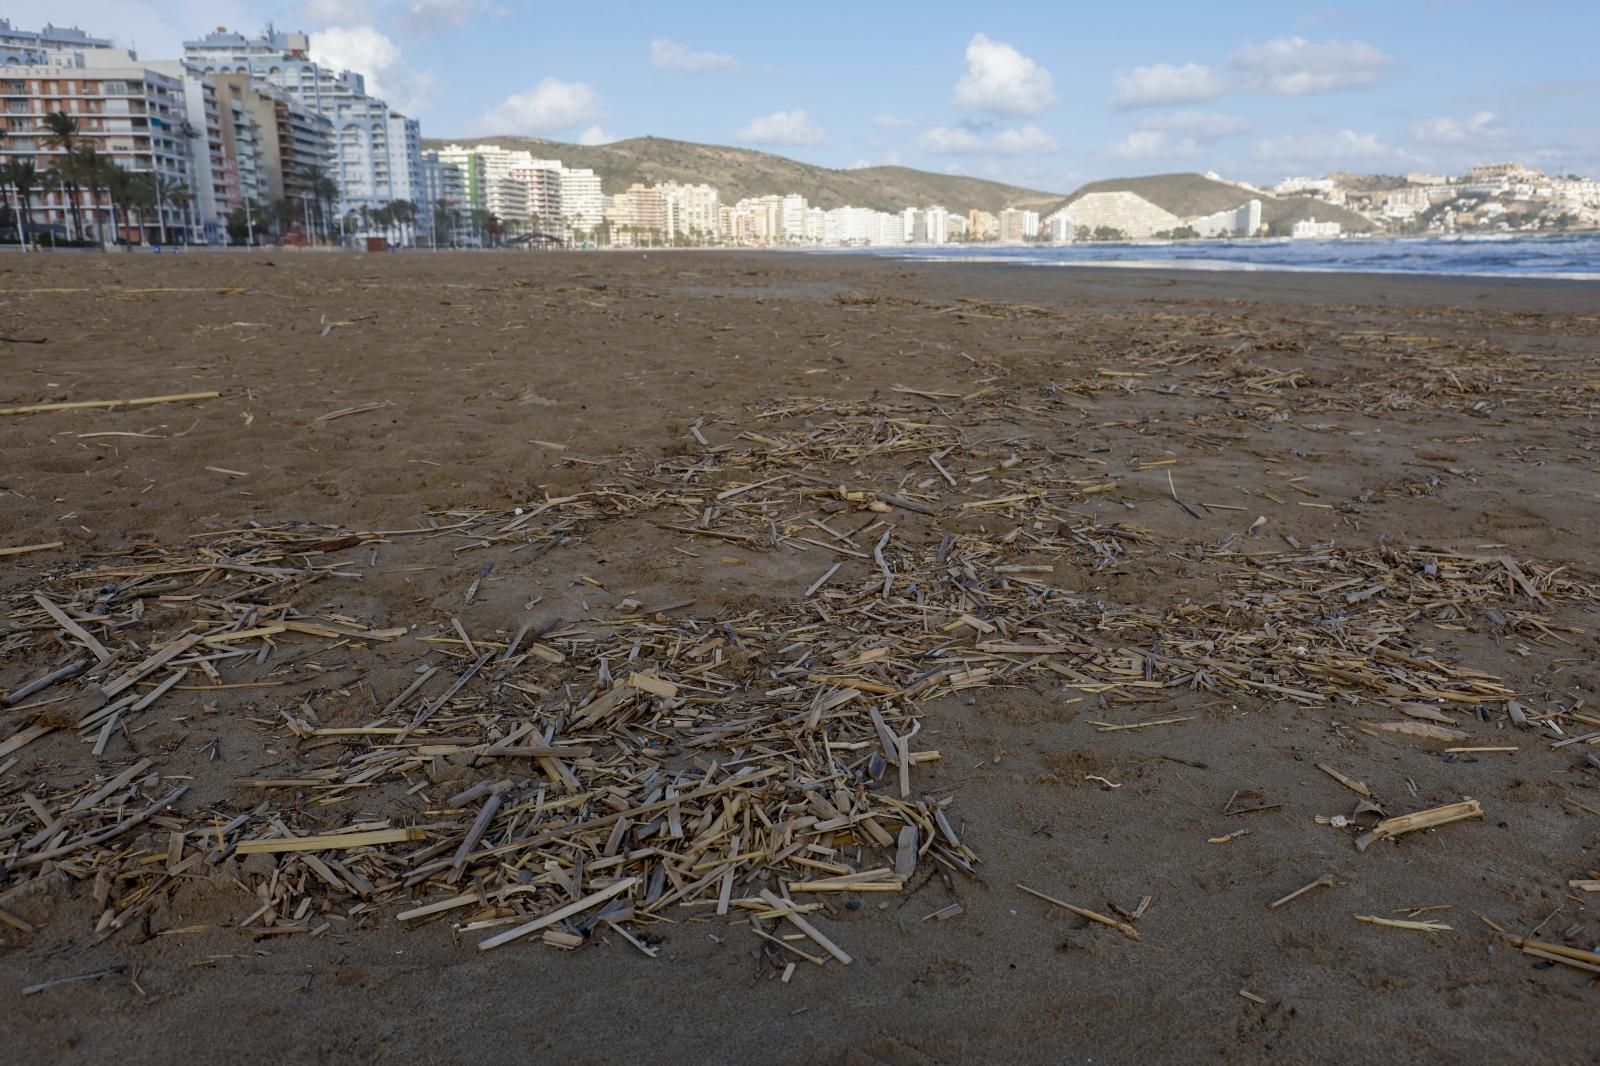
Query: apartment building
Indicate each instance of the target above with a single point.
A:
(982, 226)
(693, 212)
(542, 180)
(291, 143)
(129, 112)
(583, 205)
(377, 152)
(1128, 213)
(20, 48)
(1016, 225)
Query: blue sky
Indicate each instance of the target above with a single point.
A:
(1047, 95)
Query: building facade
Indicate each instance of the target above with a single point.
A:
(131, 114)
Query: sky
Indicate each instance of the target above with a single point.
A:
(1044, 95)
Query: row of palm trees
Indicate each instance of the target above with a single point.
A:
(81, 167)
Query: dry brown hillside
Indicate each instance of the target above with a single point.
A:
(741, 172)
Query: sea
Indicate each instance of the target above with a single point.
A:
(1570, 257)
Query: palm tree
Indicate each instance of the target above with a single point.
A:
(178, 195)
(403, 213)
(383, 218)
(313, 178)
(61, 131)
(87, 169)
(23, 177)
(121, 187)
(326, 190)
(441, 221)
(143, 198)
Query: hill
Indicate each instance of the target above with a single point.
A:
(1191, 195)
(741, 172)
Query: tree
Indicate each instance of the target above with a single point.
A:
(283, 215)
(239, 220)
(120, 188)
(383, 218)
(178, 195)
(327, 192)
(402, 213)
(443, 216)
(1109, 233)
(23, 177)
(61, 131)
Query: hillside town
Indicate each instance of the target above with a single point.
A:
(248, 140)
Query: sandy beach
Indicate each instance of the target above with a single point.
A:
(1221, 530)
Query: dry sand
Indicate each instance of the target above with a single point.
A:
(1452, 414)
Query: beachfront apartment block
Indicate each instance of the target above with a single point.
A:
(1016, 225)
(132, 114)
(693, 212)
(1126, 213)
(291, 144)
(982, 226)
(25, 48)
(1059, 227)
(1310, 229)
(583, 204)
(376, 159)
(1241, 221)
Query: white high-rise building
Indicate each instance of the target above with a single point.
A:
(583, 205)
(793, 221)
(542, 178)
(374, 159)
(938, 230)
(693, 213)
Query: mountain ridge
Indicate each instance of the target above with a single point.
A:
(741, 172)
(745, 172)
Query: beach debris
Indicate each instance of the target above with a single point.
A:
(1348, 782)
(650, 761)
(1120, 926)
(80, 405)
(1431, 818)
(1325, 881)
(1401, 923)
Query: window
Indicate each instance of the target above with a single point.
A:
(114, 88)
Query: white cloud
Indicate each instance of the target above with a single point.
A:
(1286, 66)
(962, 140)
(1162, 84)
(1483, 126)
(670, 55)
(336, 12)
(425, 16)
(886, 121)
(1325, 152)
(782, 128)
(1002, 80)
(1294, 66)
(595, 135)
(951, 140)
(548, 107)
(1202, 127)
(1151, 144)
(1028, 140)
(891, 159)
(378, 59)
